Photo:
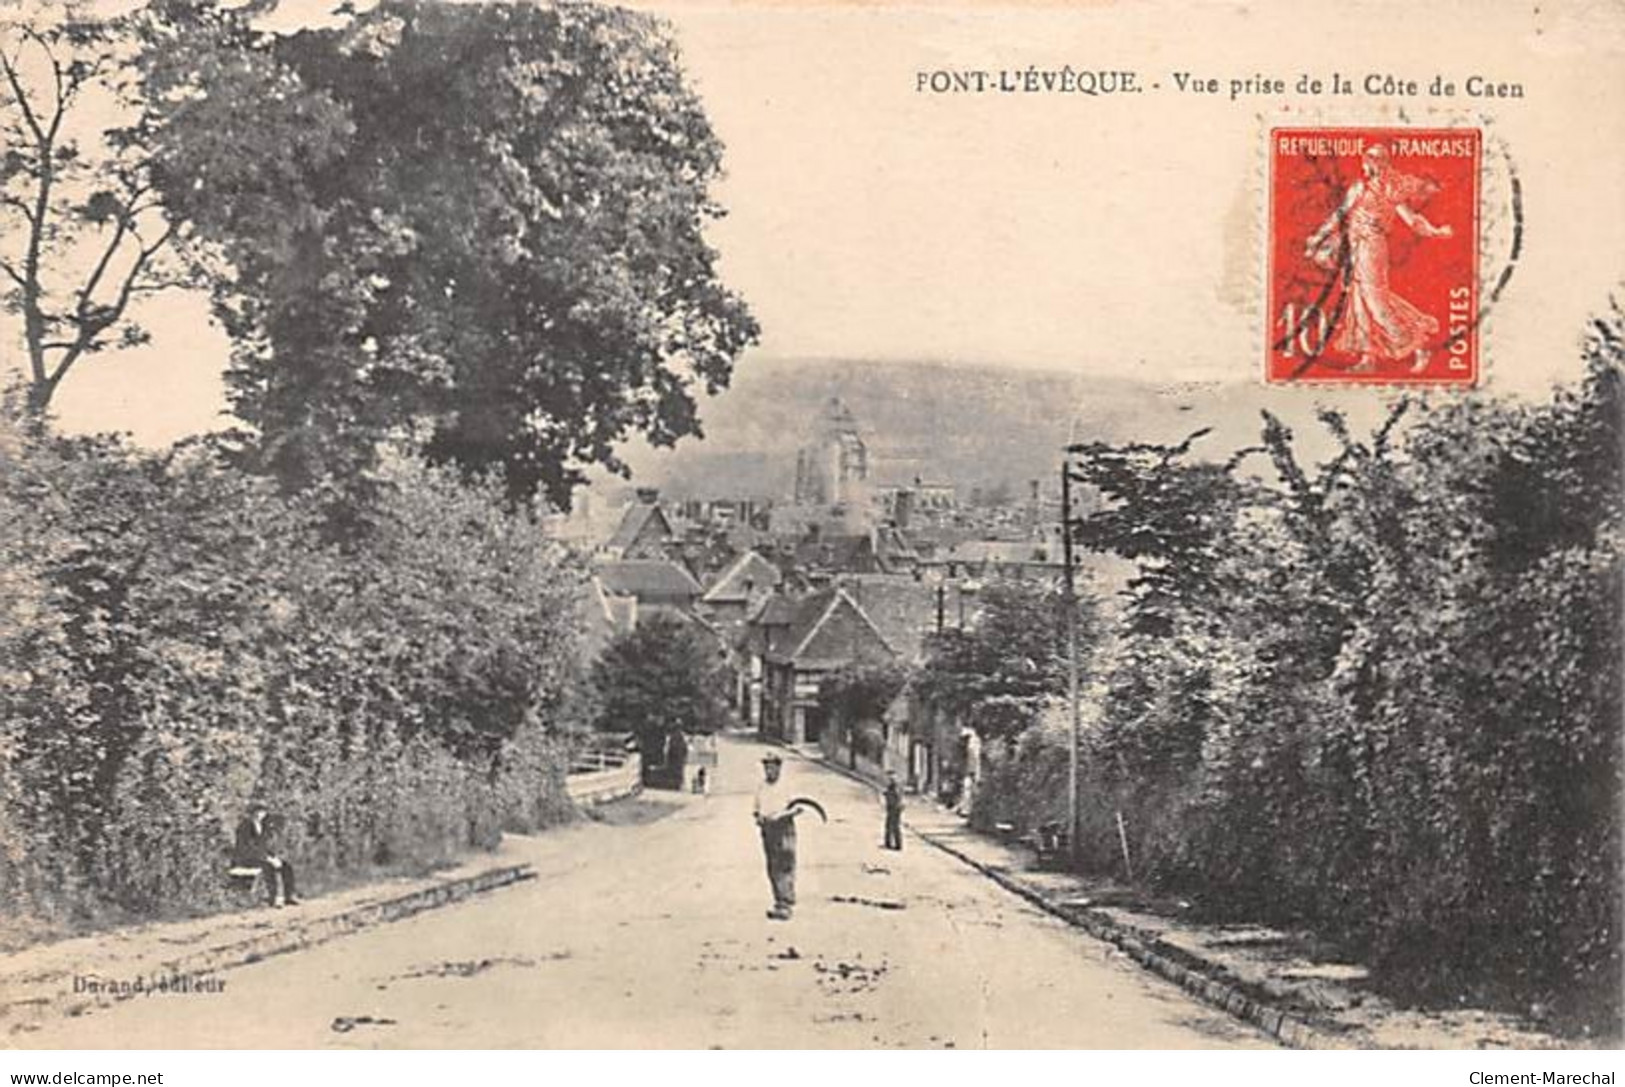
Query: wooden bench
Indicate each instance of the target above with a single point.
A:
(244, 881)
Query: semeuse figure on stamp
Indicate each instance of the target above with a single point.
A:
(255, 847)
(892, 797)
(776, 819)
(1377, 323)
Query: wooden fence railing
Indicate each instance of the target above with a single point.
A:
(597, 776)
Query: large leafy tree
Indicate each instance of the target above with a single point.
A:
(857, 697)
(659, 679)
(1174, 517)
(1166, 513)
(998, 673)
(477, 227)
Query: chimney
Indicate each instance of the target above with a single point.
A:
(903, 509)
(648, 495)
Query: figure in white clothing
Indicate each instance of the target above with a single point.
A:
(1376, 323)
(776, 819)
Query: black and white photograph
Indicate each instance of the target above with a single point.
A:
(830, 525)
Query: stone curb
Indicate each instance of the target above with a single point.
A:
(1149, 952)
(18, 1014)
(1289, 1029)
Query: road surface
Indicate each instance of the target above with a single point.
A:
(649, 930)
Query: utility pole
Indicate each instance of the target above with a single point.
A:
(1071, 604)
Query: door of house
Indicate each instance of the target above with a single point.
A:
(815, 721)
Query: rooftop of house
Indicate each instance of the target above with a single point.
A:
(644, 578)
(830, 548)
(635, 521)
(777, 610)
(806, 613)
(827, 630)
(905, 610)
(894, 544)
(935, 539)
(884, 549)
(746, 577)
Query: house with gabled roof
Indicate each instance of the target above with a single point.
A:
(622, 593)
(799, 643)
(741, 584)
(734, 595)
(906, 611)
(882, 550)
(645, 532)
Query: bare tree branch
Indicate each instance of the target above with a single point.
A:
(159, 285)
(8, 65)
(141, 260)
(120, 232)
(62, 95)
(57, 339)
(33, 320)
(93, 325)
(20, 204)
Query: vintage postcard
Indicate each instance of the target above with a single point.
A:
(841, 526)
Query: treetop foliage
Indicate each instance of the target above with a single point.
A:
(660, 678)
(476, 225)
(999, 673)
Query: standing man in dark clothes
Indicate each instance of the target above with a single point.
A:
(255, 849)
(893, 795)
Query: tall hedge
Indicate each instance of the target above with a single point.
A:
(177, 638)
(1380, 696)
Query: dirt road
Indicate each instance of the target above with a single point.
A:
(650, 930)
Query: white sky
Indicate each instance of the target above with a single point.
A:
(1110, 235)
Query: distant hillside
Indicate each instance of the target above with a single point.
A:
(972, 426)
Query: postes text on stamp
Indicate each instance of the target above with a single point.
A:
(1373, 256)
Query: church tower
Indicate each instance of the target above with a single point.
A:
(833, 469)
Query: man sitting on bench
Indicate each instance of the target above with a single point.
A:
(254, 850)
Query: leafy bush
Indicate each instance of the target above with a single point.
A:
(1379, 697)
(179, 637)
(1024, 779)
(998, 675)
(660, 681)
(855, 700)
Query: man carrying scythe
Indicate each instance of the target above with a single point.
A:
(776, 818)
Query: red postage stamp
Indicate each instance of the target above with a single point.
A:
(1373, 256)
